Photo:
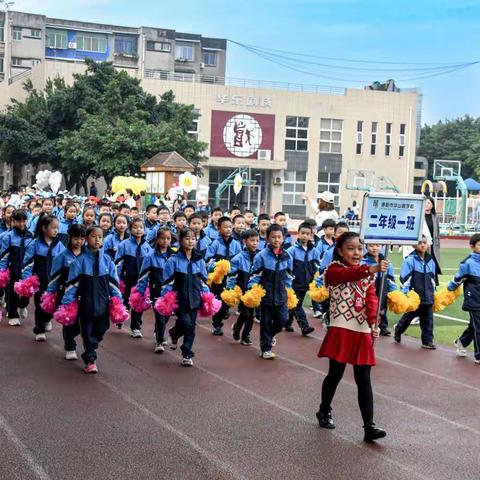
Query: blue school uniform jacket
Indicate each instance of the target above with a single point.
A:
(111, 243)
(13, 247)
(149, 226)
(186, 277)
(211, 231)
(38, 259)
(151, 235)
(274, 273)
(92, 280)
(223, 249)
(322, 245)
(305, 264)
(419, 275)
(203, 242)
(287, 239)
(240, 267)
(390, 284)
(59, 272)
(262, 242)
(151, 272)
(129, 258)
(469, 275)
(63, 227)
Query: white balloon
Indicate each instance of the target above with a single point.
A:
(55, 181)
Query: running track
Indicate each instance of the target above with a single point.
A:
(231, 416)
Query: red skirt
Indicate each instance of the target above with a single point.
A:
(347, 346)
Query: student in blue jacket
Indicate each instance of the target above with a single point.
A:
(151, 275)
(306, 260)
(129, 258)
(418, 273)
(119, 234)
(12, 251)
(38, 260)
(92, 281)
(69, 218)
(185, 273)
(58, 280)
(272, 268)
(469, 275)
(195, 222)
(223, 247)
(212, 229)
(239, 274)
(281, 219)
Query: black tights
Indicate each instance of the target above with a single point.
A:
(362, 379)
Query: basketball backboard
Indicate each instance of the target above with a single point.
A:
(446, 169)
(360, 179)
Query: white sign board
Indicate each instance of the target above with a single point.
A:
(155, 182)
(392, 219)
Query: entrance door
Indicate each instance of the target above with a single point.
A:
(250, 197)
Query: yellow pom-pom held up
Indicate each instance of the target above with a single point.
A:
(232, 296)
(318, 294)
(413, 301)
(444, 297)
(222, 267)
(292, 300)
(253, 297)
(397, 302)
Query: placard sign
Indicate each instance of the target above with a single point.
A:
(392, 218)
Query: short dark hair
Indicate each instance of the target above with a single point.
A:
(305, 225)
(91, 228)
(76, 230)
(193, 216)
(222, 220)
(179, 214)
(124, 205)
(217, 209)
(343, 238)
(247, 210)
(237, 216)
(136, 220)
(263, 216)
(163, 208)
(150, 207)
(474, 239)
(274, 228)
(342, 225)
(189, 205)
(234, 207)
(250, 233)
(19, 214)
(329, 223)
(278, 214)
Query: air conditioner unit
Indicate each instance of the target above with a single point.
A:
(264, 155)
(277, 180)
(202, 65)
(72, 45)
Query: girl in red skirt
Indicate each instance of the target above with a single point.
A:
(353, 308)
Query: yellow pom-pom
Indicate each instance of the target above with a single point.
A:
(397, 302)
(253, 297)
(318, 294)
(222, 267)
(292, 300)
(444, 298)
(413, 301)
(232, 296)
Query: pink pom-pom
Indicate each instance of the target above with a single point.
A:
(28, 287)
(122, 287)
(210, 305)
(4, 277)
(138, 302)
(67, 314)
(167, 304)
(49, 302)
(118, 312)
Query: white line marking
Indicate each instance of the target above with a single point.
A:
(24, 451)
(454, 319)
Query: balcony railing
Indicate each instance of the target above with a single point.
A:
(241, 82)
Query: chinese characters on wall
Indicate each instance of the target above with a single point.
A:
(245, 101)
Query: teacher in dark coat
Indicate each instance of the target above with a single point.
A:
(433, 224)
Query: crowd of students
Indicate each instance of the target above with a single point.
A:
(93, 253)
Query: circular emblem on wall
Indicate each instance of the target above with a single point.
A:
(242, 135)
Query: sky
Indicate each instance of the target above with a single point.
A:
(376, 30)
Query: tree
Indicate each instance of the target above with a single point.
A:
(103, 125)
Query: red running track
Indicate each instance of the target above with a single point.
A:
(232, 416)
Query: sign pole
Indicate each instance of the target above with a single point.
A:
(382, 289)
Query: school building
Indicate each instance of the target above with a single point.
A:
(285, 139)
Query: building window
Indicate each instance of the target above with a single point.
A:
(184, 53)
(193, 128)
(296, 135)
(125, 44)
(17, 33)
(210, 59)
(401, 142)
(16, 62)
(293, 187)
(89, 42)
(388, 139)
(158, 46)
(35, 32)
(331, 135)
(2, 33)
(1, 64)
(373, 145)
(359, 137)
(56, 39)
(330, 182)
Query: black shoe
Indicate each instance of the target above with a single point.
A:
(217, 331)
(119, 326)
(235, 333)
(385, 332)
(246, 341)
(429, 346)
(289, 328)
(307, 330)
(396, 336)
(325, 420)
(372, 432)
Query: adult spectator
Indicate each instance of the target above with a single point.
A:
(129, 200)
(433, 224)
(324, 207)
(93, 190)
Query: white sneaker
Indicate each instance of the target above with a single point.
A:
(172, 344)
(48, 327)
(317, 314)
(136, 334)
(164, 343)
(461, 350)
(269, 355)
(415, 321)
(477, 361)
(274, 341)
(159, 348)
(71, 355)
(14, 322)
(187, 362)
(23, 312)
(40, 337)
